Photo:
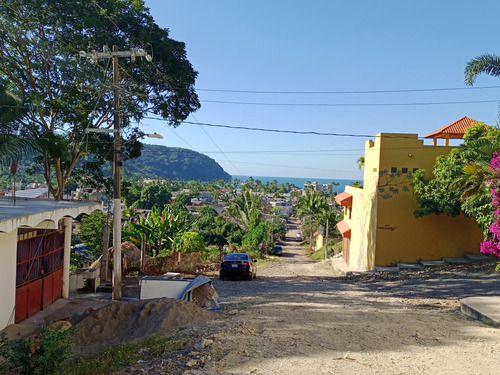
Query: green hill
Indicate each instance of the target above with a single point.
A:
(174, 163)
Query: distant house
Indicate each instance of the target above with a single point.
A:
(284, 207)
(35, 242)
(325, 188)
(207, 196)
(379, 229)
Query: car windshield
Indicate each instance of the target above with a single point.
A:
(236, 257)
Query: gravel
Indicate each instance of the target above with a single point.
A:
(302, 317)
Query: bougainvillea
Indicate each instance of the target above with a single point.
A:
(492, 245)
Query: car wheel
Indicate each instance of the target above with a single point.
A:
(221, 277)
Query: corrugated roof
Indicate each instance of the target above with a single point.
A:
(455, 130)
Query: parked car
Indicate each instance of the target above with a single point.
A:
(299, 236)
(278, 250)
(238, 265)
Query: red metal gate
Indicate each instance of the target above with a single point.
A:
(39, 271)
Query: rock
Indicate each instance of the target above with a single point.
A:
(192, 363)
(206, 342)
(60, 324)
(233, 312)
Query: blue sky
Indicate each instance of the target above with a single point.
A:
(333, 46)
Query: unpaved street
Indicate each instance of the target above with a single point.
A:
(297, 318)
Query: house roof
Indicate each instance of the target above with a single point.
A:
(344, 199)
(31, 212)
(344, 229)
(455, 130)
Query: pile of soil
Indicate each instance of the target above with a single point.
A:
(129, 321)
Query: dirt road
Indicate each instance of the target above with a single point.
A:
(298, 317)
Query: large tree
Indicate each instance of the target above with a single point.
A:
(461, 179)
(40, 42)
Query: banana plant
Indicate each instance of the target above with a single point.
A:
(160, 228)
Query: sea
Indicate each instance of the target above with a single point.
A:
(298, 181)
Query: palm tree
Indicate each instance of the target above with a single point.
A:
(245, 210)
(311, 205)
(361, 162)
(489, 64)
(12, 147)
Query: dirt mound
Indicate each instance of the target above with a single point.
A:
(128, 321)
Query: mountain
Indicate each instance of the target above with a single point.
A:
(174, 163)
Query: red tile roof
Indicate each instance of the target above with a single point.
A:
(344, 229)
(344, 199)
(455, 130)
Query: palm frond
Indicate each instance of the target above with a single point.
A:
(488, 64)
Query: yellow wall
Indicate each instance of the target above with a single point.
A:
(384, 230)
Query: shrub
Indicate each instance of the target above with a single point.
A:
(41, 354)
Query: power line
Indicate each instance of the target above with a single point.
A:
(294, 104)
(216, 145)
(299, 132)
(271, 130)
(348, 104)
(289, 166)
(351, 92)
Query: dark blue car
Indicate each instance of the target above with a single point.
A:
(237, 265)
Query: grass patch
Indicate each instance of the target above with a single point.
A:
(126, 354)
(320, 254)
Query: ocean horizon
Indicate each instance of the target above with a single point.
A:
(299, 181)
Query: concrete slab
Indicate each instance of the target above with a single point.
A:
(477, 257)
(433, 263)
(411, 266)
(455, 260)
(484, 309)
(386, 269)
(340, 266)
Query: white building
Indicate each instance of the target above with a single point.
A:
(325, 188)
(35, 242)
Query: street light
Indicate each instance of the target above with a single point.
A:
(100, 130)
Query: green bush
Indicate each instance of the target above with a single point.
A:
(44, 353)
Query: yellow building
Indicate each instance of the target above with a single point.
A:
(379, 228)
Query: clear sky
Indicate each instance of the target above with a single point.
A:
(287, 52)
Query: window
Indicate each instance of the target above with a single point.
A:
(404, 170)
(394, 170)
(415, 169)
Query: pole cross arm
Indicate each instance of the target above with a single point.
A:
(106, 54)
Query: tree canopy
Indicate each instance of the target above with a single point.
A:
(311, 206)
(64, 95)
(461, 179)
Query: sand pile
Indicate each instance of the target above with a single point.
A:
(128, 321)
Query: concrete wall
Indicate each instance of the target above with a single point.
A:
(384, 230)
(8, 242)
(400, 236)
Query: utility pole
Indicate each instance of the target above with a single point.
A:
(117, 197)
(326, 235)
(117, 187)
